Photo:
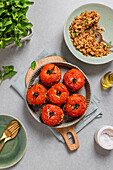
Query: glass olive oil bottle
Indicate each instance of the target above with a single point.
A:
(107, 80)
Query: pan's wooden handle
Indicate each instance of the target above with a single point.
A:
(64, 132)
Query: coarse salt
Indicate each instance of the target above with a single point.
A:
(104, 137)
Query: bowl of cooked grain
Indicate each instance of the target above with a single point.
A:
(79, 33)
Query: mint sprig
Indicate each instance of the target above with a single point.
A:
(33, 65)
(7, 73)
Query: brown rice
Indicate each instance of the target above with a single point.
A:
(83, 37)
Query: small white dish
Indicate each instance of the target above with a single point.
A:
(104, 137)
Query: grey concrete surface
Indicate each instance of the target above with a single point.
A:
(44, 151)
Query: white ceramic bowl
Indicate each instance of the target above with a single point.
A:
(106, 21)
(104, 138)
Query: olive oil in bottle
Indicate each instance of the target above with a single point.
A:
(107, 80)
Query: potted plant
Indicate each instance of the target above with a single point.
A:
(14, 25)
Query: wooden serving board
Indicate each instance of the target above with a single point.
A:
(41, 62)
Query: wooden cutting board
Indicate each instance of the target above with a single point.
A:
(41, 62)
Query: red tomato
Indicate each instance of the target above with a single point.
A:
(58, 93)
(36, 95)
(74, 79)
(76, 105)
(50, 74)
(52, 114)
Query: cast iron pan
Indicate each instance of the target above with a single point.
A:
(68, 125)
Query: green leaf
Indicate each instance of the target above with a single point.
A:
(19, 6)
(1, 24)
(11, 68)
(29, 25)
(21, 30)
(19, 43)
(107, 45)
(2, 29)
(20, 14)
(29, 3)
(74, 33)
(23, 33)
(25, 10)
(8, 40)
(13, 9)
(86, 21)
(33, 65)
(9, 28)
(6, 69)
(16, 36)
(8, 23)
(1, 75)
(1, 11)
(110, 42)
(5, 76)
(11, 73)
(1, 5)
(1, 44)
(8, 3)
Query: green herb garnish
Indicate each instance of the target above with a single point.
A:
(35, 94)
(74, 33)
(51, 114)
(107, 44)
(58, 93)
(86, 21)
(76, 106)
(13, 21)
(8, 72)
(49, 71)
(74, 80)
(33, 65)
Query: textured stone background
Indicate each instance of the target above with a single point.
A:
(44, 151)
